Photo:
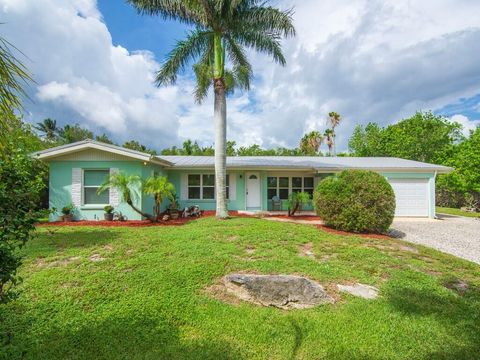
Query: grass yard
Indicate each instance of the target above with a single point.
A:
(453, 211)
(139, 293)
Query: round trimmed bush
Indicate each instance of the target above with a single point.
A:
(356, 200)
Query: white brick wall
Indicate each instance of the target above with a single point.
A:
(114, 193)
(77, 187)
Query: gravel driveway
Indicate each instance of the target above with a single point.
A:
(459, 236)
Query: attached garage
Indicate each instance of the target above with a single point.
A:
(412, 196)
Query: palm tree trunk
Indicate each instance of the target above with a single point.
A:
(145, 215)
(220, 118)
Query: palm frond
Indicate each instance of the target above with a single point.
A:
(264, 43)
(13, 78)
(186, 11)
(185, 50)
(204, 74)
(266, 20)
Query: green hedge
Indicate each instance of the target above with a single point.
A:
(356, 200)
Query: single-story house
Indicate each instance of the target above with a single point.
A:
(77, 170)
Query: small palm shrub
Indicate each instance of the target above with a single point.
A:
(356, 200)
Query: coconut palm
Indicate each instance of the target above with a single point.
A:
(160, 188)
(328, 134)
(223, 30)
(49, 129)
(128, 187)
(334, 119)
(310, 143)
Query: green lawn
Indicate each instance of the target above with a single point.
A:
(453, 211)
(146, 299)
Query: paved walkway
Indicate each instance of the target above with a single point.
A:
(456, 235)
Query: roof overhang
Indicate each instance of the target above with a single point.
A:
(432, 170)
(50, 154)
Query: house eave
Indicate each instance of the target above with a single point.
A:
(50, 154)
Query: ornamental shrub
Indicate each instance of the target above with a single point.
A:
(356, 200)
(21, 183)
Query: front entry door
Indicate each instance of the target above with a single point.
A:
(253, 190)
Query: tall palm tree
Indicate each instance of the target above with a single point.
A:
(160, 188)
(310, 143)
(49, 128)
(334, 119)
(329, 140)
(223, 31)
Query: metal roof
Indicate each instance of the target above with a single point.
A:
(316, 163)
(313, 163)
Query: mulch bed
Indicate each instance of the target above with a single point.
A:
(183, 221)
(297, 217)
(346, 233)
(131, 223)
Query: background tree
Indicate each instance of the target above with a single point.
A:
(422, 137)
(231, 148)
(328, 134)
(310, 143)
(104, 138)
(73, 133)
(135, 145)
(48, 127)
(223, 29)
(367, 141)
(454, 189)
(334, 119)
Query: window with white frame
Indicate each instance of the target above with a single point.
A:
(282, 186)
(308, 185)
(92, 180)
(202, 186)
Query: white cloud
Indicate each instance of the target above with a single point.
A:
(369, 60)
(468, 125)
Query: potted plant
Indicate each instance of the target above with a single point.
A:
(108, 213)
(67, 212)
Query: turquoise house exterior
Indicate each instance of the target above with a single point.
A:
(78, 169)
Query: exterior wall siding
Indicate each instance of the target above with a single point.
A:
(60, 187)
(63, 193)
(174, 177)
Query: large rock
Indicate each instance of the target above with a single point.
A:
(282, 291)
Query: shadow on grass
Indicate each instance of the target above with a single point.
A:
(129, 337)
(459, 314)
(81, 238)
(298, 338)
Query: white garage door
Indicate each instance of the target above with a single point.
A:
(411, 196)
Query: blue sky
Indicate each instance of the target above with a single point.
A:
(136, 32)
(370, 60)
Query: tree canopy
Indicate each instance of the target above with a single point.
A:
(422, 137)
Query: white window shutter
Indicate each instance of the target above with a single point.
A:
(114, 197)
(232, 178)
(183, 186)
(77, 187)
